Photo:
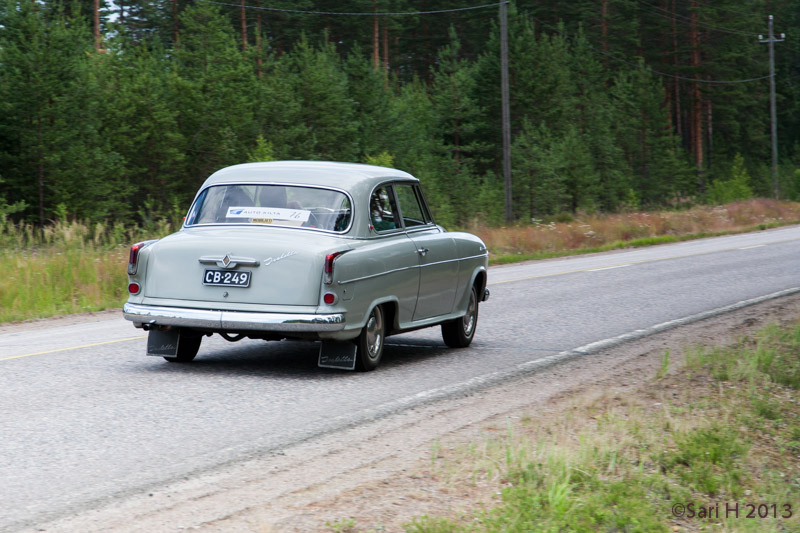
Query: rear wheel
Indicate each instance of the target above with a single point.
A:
(458, 333)
(187, 349)
(370, 341)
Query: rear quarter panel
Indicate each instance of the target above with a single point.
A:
(473, 267)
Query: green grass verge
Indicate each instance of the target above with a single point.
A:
(57, 281)
(714, 447)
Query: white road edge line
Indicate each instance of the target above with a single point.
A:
(752, 246)
(530, 367)
(608, 268)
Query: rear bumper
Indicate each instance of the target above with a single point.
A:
(151, 315)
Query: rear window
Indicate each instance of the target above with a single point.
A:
(274, 205)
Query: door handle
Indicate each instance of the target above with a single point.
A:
(422, 251)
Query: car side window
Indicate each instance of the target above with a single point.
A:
(410, 208)
(381, 209)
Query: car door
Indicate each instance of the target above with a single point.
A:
(436, 253)
(391, 253)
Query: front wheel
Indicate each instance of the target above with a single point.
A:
(187, 349)
(370, 341)
(458, 333)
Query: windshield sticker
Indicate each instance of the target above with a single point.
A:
(262, 214)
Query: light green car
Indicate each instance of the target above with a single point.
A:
(340, 253)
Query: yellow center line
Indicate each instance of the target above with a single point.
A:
(73, 348)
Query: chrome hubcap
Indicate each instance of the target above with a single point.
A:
(374, 333)
(469, 318)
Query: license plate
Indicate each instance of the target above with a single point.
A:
(227, 278)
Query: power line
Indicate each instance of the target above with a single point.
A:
(354, 14)
(682, 18)
(738, 12)
(648, 69)
(484, 6)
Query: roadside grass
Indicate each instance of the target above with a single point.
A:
(49, 282)
(711, 446)
(70, 267)
(590, 233)
(67, 267)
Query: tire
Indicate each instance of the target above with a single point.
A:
(371, 340)
(187, 349)
(459, 333)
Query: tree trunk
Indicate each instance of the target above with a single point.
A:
(96, 13)
(604, 31)
(375, 52)
(709, 132)
(41, 169)
(643, 144)
(386, 48)
(675, 82)
(259, 60)
(175, 23)
(243, 17)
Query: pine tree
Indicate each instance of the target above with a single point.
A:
(417, 146)
(370, 90)
(55, 152)
(215, 89)
(324, 110)
(141, 90)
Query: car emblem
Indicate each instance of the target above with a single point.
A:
(272, 260)
(228, 261)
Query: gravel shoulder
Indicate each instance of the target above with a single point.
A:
(381, 475)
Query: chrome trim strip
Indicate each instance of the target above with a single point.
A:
(345, 282)
(379, 274)
(453, 260)
(485, 254)
(233, 261)
(419, 229)
(232, 320)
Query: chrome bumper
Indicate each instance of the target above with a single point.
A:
(151, 315)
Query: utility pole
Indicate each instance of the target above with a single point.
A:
(505, 106)
(771, 40)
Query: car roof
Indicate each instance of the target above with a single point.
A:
(346, 176)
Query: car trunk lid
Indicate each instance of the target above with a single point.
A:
(285, 266)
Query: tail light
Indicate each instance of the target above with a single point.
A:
(133, 259)
(328, 270)
(134, 288)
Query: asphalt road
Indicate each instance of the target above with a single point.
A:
(87, 417)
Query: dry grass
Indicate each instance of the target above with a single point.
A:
(597, 232)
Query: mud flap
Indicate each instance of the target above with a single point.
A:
(337, 354)
(163, 343)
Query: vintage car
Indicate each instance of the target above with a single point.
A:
(342, 253)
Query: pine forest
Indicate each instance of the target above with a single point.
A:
(118, 110)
